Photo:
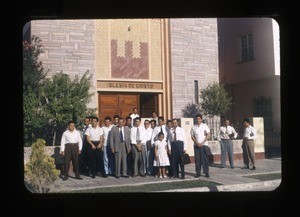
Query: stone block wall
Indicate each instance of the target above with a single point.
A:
(69, 46)
(194, 56)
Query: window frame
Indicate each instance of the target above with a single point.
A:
(246, 46)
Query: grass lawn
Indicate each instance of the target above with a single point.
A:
(266, 177)
(150, 187)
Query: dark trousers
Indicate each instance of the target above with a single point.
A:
(169, 168)
(201, 160)
(129, 160)
(176, 155)
(151, 156)
(71, 154)
(95, 159)
(83, 165)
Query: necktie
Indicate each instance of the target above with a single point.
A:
(121, 135)
(161, 130)
(174, 134)
(138, 135)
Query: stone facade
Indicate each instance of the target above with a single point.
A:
(69, 47)
(75, 46)
(194, 56)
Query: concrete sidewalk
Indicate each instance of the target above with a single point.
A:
(231, 179)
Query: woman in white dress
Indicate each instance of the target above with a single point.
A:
(161, 156)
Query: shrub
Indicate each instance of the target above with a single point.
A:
(190, 110)
(40, 171)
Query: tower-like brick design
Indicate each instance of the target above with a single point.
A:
(128, 66)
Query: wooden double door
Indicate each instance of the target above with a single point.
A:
(122, 104)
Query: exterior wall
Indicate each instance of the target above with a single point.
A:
(244, 93)
(194, 56)
(68, 47)
(100, 46)
(257, 78)
(232, 70)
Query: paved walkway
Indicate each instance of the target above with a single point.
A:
(231, 179)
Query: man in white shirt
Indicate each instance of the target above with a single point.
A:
(138, 142)
(225, 136)
(70, 146)
(161, 127)
(134, 115)
(200, 134)
(177, 146)
(169, 125)
(148, 163)
(108, 157)
(248, 145)
(94, 137)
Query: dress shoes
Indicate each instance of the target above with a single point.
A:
(117, 176)
(65, 178)
(207, 175)
(245, 167)
(197, 176)
(232, 167)
(93, 176)
(183, 177)
(125, 176)
(105, 176)
(79, 178)
(253, 168)
(143, 175)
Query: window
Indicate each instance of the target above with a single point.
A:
(196, 91)
(246, 47)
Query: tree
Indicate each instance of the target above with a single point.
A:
(64, 100)
(215, 100)
(191, 110)
(40, 171)
(33, 81)
(33, 70)
(49, 103)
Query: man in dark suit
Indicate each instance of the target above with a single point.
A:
(120, 147)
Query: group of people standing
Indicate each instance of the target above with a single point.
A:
(227, 133)
(125, 147)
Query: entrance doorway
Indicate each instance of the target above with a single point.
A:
(111, 104)
(122, 104)
(148, 104)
